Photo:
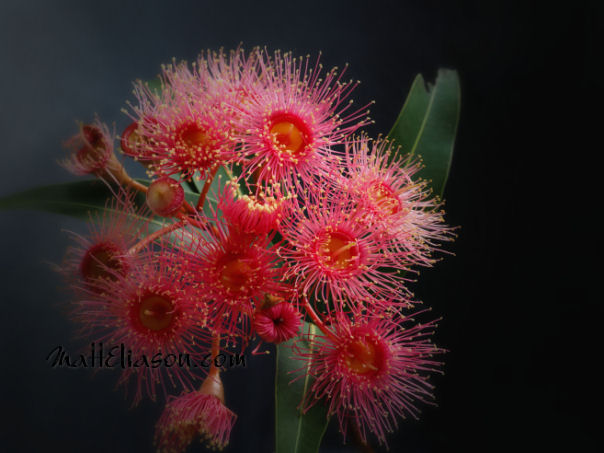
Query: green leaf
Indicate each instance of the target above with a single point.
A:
(76, 199)
(296, 432)
(156, 85)
(191, 186)
(427, 125)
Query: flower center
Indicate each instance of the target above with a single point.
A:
(194, 137)
(235, 273)
(99, 262)
(363, 357)
(384, 198)
(289, 134)
(156, 312)
(261, 204)
(338, 251)
(131, 139)
(287, 137)
(94, 145)
(134, 139)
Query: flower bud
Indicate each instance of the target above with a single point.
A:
(277, 323)
(165, 197)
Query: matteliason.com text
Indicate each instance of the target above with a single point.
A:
(119, 356)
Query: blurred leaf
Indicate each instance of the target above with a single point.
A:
(296, 432)
(156, 85)
(191, 186)
(427, 125)
(76, 199)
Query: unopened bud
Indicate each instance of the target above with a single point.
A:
(165, 197)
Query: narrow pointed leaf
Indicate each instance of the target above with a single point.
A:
(192, 186)
(427, 125)
(296, 432)
(75, 199)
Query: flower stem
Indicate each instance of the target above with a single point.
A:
(206, 188)
(214, 370)
(315, 318)
(153, 236)
(188, 208)
(116, 171)
(358, 438)
(136, 185)
(212, 385)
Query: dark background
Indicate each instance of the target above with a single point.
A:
(519, 319)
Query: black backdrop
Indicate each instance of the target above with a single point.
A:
(519, 319)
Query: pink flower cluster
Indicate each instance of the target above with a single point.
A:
(307, 220)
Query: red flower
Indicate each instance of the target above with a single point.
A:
(153, 309)
(233, 273)
(91, 152)
(103, 254)
(201, 413)
(372, 370)
(277, 323)
(289, 127)
(393, 200)
(336, 257)
(254, 215)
